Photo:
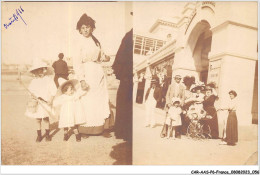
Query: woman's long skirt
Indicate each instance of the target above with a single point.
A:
(96, 102)
(232, 130)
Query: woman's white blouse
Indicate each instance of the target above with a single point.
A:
(233, 104)
(87, 51)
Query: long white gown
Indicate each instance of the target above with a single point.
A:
(87, 67)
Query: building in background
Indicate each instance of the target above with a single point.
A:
(214, 42)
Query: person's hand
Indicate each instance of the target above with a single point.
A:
(84, 85)
(169, 105)
(105, 58)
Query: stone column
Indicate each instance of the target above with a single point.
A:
(234, 51)
(184, 64)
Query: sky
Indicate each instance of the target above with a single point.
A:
(51, 28)
(146, 13)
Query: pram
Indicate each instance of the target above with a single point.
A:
(198, 127)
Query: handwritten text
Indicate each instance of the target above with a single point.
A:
(15, 17)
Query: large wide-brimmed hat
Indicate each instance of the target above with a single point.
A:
(63, 82)
(176, 100)
(37, 65)
(195, 87)
(198, 85)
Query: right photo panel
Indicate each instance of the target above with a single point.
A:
(195, 83)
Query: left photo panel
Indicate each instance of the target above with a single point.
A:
(66, 75)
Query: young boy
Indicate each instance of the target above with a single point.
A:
(173, 119)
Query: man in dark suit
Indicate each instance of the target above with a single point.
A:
(60, 69)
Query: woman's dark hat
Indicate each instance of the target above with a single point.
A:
(199, 85)
(211, 85)
(87, 20)
(194, 88)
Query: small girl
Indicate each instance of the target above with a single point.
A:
(71, 114)
(173, 119)
(42, 91)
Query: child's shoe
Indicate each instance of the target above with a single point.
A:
(66, 137)
(39, 136)
(78, 137)
(48, 137)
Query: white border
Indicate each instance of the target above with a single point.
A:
(114, 169)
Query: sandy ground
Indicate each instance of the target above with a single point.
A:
(19, 134)
(150, 149)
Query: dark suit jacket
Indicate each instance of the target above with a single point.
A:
(156, 94)
(60, 67)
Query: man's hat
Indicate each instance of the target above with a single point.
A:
(177, 76)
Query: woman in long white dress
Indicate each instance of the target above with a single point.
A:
(91, 75)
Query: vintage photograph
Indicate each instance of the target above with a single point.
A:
(129, 83)
(66, 92)
(195, 93)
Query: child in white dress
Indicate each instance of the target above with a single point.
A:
(71, 114)
(173, 119)
(42, 91)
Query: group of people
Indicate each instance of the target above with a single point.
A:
(80, 102)
(180, 97)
